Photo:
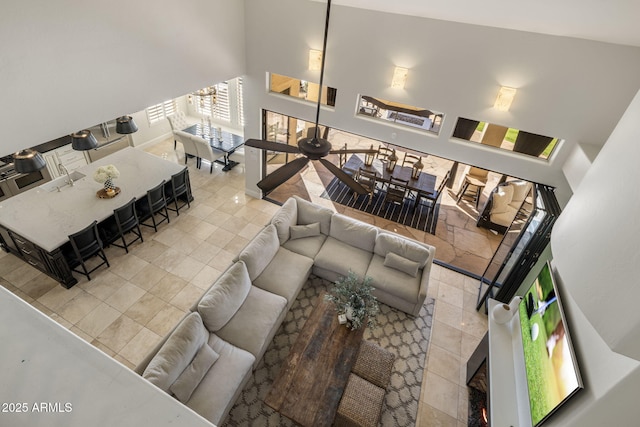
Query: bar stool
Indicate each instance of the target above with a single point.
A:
(86, 244)
(125, 220)
(178, 188)
(154, 203)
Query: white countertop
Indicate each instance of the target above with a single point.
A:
(52, 377)
(47, 218)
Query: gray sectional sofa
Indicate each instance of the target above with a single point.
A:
(207, 359)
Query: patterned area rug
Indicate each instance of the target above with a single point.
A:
(406, 337)
(419, 218)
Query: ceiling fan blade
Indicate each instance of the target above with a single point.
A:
(271, 146)
(354, 151)
(282, 174)
(342, 176)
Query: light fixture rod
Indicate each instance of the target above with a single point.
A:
(324, 55)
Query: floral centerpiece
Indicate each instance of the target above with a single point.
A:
(354, 298)
(106, 175)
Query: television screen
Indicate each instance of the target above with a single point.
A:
(550, 363)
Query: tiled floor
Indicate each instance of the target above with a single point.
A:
(125, 309)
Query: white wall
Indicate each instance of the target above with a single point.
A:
(597, 261)
(567, 88)
(88, 62)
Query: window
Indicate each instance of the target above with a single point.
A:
(400, 114)
(301, 89)
(505, 138)
(240, 103)
(215, 106)
(161, 111)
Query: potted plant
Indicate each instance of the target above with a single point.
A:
(354, 298)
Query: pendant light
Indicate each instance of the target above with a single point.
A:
(83, 140)
(27, 161)
(126, 125)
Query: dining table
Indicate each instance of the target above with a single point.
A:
(219, 139)
(425, 185)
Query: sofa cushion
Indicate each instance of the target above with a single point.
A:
(225, 296)
(341, 257)
(392, 281)
(259, 252)
(189, 379)
(286, 274)
(218, 390)
(387, 242)
(353, 232)
(255, 322)
(307, 246)
(308, 213)
(301, 231)
(177, 352)
(520, 191)
(284, 218)
(501, 199)
(402, 264)
(504, 218)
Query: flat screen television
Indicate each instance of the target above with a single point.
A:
(550, 363)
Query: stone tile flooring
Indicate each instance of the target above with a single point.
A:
(126, 309)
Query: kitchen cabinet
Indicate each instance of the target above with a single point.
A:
(68, 157)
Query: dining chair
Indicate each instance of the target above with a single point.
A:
(410, 159)
(431, 201)
(86, 244)
(475, 177)
(178, 122)
(383, 153)
(179, 187)
(206, 152)
(125, 220)
(154, 203)
(342, 158)
(396, 191)
(190, 150)
(368, 180)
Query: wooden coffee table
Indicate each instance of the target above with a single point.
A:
(312, 379)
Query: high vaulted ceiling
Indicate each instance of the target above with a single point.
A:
(613, 21)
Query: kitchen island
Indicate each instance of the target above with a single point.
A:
(39, 221)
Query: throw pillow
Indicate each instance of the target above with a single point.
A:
(403, 264)
(286, 216)
(309, 230)
(189, 379)
(260, 251)
(501, 199)
(308, 213)
(177, 352)
(387, 242)
(520, 191)
(224, 298)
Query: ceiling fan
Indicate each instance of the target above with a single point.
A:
(314, 148)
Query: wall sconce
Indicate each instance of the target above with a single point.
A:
(369, 157)
(505, 98)
(392, 160)
(416, 169)
(315, 60)
(399, 78)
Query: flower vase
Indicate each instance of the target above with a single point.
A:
(109, 186)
